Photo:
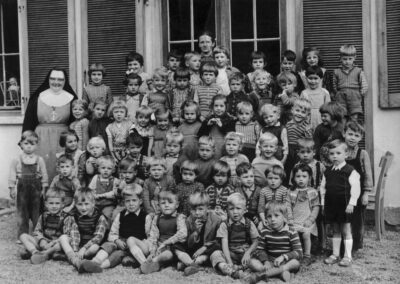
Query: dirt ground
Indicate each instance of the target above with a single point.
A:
(379, 262)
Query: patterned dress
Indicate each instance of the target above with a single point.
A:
(118, 132)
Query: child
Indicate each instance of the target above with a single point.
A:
(98, 124)
(157, 182)
(287, 82)
(239, 238)
(258, 62)
(13, 91)
(103, 184)
(304, 202)
(263, 86)
(222, 57)
(220, 189)
(127, 235)
(349, 83)
(280, 247)
(158, 96)
(167, 234)
(217, 124)
(208, 89)
(84, 230)
(206, 160)
(233, 144)
(173, 147)
(274, 191)
(96, 90)
(192, 61)
(315, 94)
(69, 141)
(190, 125)
(340, 189)
(118, 131)
(174, 60)
(81, 123)
(135, 146)
(160, 130)
(43, 243)
(143, 128)
(134, 62)
(27, 181)
(132, 98)
(65, 181)
(188, 185)
(288, 65)
(249, 190)
(202, 226)
(359, 159)
(270, 115)
(268, 144)
(311, 57)
(236, 84)
(249, 128)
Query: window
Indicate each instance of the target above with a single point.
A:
(10, 97)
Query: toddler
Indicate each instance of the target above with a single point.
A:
(27, 181)
(132, 97)
(143, 128)
(99, 122)
(96, 90)
(174, 60)
(87, 164)
(69, 141)
(134, 63)
(288, 65)
(263, 87)
(160, 130)
(287, 82)
(158, 96)
(222, 57)
(206, 160)
(190, 125)
(349, 82)
(81, 123)
(135, 146)
(192, 61)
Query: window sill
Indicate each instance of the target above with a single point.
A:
(11, 118)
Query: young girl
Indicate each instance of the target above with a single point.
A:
(258, 62)
(134, 63)
(69, 141)
(132, 97)
(96, 90)
(190, 125)
(100, 121)
(222, 57)
(160, 130)
(158, 97)
(27, 181)
(315, 94)
(233, 144)
(118, 131)
(81, 123)
(311, 57)
(217, 124)
(287, 82)
(304, 201)
(192, 62)
(144, 129)
(263, 86)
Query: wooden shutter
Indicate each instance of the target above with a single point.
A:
(111, 36)
(47, 37)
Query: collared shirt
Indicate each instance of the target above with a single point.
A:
(39, 233)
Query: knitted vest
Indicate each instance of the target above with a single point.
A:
(103, 188)
(67, 186)
(87, 225)
(52, 225)
(337, 182)
(132, 225)
(167, 227)
(356, 164)
(348, 81)
(238, 234)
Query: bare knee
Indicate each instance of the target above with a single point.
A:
(256, 265)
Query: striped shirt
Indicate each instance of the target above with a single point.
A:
(349, 79)
(283, 242)
(295, 131)
(205, 95)
(251, 132)
(281, 194)
(177, 97)
(219, 195)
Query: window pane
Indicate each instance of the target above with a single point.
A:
(267, 18)
(272, 52)
(204, 16)
(179, 19)
(182, 47)
(242, 19)
(10, 19)
(240, 56)
(12, 71)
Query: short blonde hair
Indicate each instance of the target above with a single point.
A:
(268, 137)
(144, 110)
(276, 206)
(244, 105)
(303, 104)
(269, 108)
(160, 73)
(348, 50)
(105, 160)
(156, 161)
(207, 140)
(221, 49)
(190, 54)
(97, 140)
(236, 198)
(174, 136)
(116, 104)
(83, 193)
(131, 190)
(198, 198)
(234, 136)
(259, 72)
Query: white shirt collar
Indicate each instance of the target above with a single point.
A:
(340, 166)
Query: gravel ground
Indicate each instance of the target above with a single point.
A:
(379, 262)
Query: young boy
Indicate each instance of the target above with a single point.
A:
(340, 190)
(134, 63)
(173, 149)
(359, 159)
(279, 250)
(192, 61)
(258, 62)
(239, 238)
(157, 97)
(174, 60)
(206, 160)
(167, 234)
(43, 243)
(268, 144)
(287, 82)
(84, 230)
(288, 64)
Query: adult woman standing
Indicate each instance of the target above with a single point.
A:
(49, 113)
(206, 45)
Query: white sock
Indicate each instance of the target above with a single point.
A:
(348, 246)
(336, 246)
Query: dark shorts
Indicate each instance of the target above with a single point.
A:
(350, 100)
(335, 209)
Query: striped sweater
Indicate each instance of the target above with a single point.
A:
(295, 131)
(281, 194)
(219, 195)
(205, 95)
(349, 79)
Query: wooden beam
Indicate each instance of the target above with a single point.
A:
(24, 54)
(71, 44)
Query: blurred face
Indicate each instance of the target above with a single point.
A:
(219, 107)
(182, 83)
(99, 111)
(288, 86)
(134, 150)
(312, 58)
(313, 81)
(299, 113)
(78, 112)
(173, 63)
(261, 81)
(71, 143)
(258, 64)
(306, 155)
(208, 78)
(85, 207)
(194, 63)
(189, 113)
(106, 170)
(205, 44)
(268, 149)
(287, 65)
(159, 83)
(173, 148)
(66, 168)
(220, 178)
(270, 118)
(232, 147)
(162, 123)
(221, 59)
(169, 205)
(352, 138)
(347, 61)
(28, 147)
(54, 205)
(236, 86)
(119, 114)
(188, 177)
(274, 181)
(236, 211)
(132, 203)
(134, 66)
(143, 120)
(199, 212)
(130, 176)
(157, 172)
(133, 86)
(56, 81)
(96, 150)
(96, 77)
(326, 118)
(206, 152)
(301, 178)
(245, 116)
(276, 220)
(247, 179)
(338, 155)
